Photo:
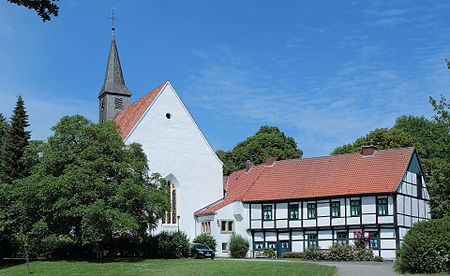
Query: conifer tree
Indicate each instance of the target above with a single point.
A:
(16, 144)
(4, 131)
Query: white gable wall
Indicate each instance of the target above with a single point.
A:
(177, 149)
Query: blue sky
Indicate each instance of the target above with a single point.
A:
(324, 72)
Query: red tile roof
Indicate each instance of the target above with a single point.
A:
(130, 116)
(337, 175)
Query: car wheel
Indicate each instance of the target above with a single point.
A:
(212, 258)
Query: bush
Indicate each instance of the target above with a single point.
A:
(377, 259)
(173, 245)
(238, 246)
(206, 239)
(340, 252)
(315, 254)
(426, 248)
(269, 253)
(298, 255)
(362, 254)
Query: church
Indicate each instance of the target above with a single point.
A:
(287, 205)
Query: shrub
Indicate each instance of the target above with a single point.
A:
(362, 254)
(269, 253)
(315, 254)
(173, 245)
(361, 239)
(340, 252)
(377, 259)
(238, 246)
(299, 255)
(206, 239)
(426, 248)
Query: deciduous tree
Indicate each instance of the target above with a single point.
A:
(268, 141)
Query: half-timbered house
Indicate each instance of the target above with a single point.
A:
(291, 205)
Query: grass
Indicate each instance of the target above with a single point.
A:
(167, 267)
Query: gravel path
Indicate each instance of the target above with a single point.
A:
(363, 268)
(344, 268)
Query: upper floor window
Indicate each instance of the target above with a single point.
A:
(171, 215)
(355, 208)
(312, 240)
(206, 227)
(293, 212)
(419, 185)
(312, 210)
(335, 209)
(226, 226)
(382, 206)
(102, 104)
(267, 212)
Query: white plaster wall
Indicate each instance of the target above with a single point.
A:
(368, 204)
(177, 147)
(282, 211)
(240, 226)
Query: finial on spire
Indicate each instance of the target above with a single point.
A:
(113, 19)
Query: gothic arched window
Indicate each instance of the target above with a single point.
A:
(171, 215)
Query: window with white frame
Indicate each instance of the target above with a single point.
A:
(206, 227)
(224, 247)
(226, 226)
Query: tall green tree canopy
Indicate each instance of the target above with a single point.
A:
(431, 138)
(439, 184)
(87, 189)
(268, 141)
(16, 144)
(4, 132)
(44, 8)
(384, 138)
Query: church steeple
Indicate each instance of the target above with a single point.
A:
(114, 95)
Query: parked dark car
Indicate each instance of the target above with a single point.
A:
(201, 250)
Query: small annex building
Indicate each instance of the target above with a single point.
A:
(287, 205)
(291, 205)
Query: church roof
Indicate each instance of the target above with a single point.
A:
(114, 82)
(129, 117)
(319, 177)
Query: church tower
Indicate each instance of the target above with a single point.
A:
(114, 95)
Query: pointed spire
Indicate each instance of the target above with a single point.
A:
(114, 82)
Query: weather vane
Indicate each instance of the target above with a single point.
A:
(113, 19)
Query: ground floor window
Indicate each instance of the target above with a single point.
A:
(374, 240)
(342, 237)
(259, 246)
(224, 247)
(206, 227)
(312, 240)
(272, 245)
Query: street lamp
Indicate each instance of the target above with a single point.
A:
(178, 220)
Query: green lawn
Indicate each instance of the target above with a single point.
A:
(167, 267)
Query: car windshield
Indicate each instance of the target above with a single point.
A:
(202, 246)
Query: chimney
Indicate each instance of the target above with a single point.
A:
(368, 149)
(270, 160)
(248, 165)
